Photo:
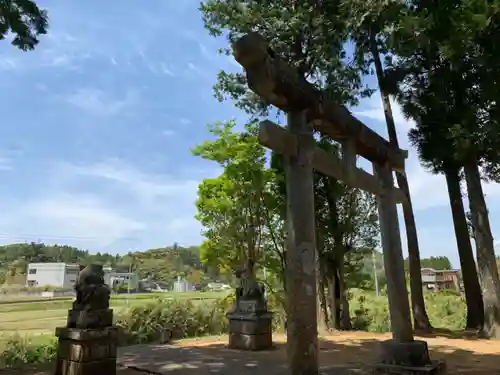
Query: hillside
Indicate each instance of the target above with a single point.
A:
(162, 264)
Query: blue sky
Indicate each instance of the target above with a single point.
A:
(99, 121)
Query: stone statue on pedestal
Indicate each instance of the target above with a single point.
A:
(91, 306)
(249, 319)
(87, 345)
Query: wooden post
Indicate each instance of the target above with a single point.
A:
(302, 331)
(399, 307)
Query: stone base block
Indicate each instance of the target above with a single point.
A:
(432, 368)
(86, 351)
(250, 331)
(243, 341)
(407, 358)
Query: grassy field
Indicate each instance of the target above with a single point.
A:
(42, 317)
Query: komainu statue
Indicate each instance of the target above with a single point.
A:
(91, 307)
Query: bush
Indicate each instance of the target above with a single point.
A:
(142, 324)
(19, 350)
(371, 313)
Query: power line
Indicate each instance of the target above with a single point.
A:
(43, 236)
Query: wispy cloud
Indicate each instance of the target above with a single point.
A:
(103, 205)
(149, 188)
(372, 109)
(6, 164)
(168, 132)
(97, 102)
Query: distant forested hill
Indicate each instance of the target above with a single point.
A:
(162, 264)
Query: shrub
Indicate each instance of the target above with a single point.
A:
(184, 318)
(19, 350)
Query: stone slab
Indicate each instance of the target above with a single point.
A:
(80, 334)
(250, 342)
(433, 368)
(238, 315)
(414, 353)
(81, 351)
(105, 367)
(250, 327)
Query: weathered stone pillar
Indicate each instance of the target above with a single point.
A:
(402, 354)
(302, 331)
(88, 343)
(399, 307)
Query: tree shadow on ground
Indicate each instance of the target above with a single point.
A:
(339, 358)
(450, 334)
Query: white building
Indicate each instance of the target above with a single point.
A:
(61, 275)
(113, 279)
(182, 285)
(64, 275)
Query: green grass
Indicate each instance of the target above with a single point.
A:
(42, 317)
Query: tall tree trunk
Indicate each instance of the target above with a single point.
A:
(486, 262)
(420, 318)
(332, 300)
(320, 287)
(473, 295)
(323, 305)
(345, 317)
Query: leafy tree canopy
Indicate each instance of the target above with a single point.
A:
(25, 20)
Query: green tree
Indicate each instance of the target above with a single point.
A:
(436, 153)
(25, 20)
(438, 263)
(231, 207)
(371, 24)
(446, 90)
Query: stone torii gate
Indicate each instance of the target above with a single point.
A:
(309, 109)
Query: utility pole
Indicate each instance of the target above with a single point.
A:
(129, 277)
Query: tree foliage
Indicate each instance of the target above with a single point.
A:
(437, 263)
(232, 207)
(25, 20)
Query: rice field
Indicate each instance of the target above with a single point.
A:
(42, 317)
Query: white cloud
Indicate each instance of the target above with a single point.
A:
(79, 216)
(168, 132)
(372, 109)
(104, 207)
(5, 164)
(97, 102)
(166, 69)
(148, 188)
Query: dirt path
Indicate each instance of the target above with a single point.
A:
(345, 352)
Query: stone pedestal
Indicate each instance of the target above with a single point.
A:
(407, 358)
(86, 351)
(250, 326)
